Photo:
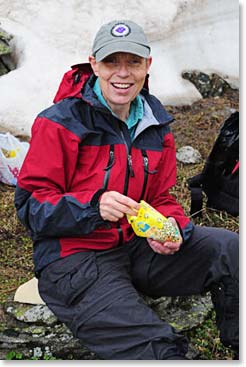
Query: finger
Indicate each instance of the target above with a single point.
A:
(168, 245)
(162, 248)
(118, 210)
(108, 213)
(125, 209)
(163, 251)
(112, 218)
(174, 246)
(158, 247)
(128, 203)
(174, 222)
(115, 200)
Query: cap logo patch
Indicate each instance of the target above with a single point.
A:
(120, 30)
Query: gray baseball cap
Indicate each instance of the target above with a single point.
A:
(120, 36)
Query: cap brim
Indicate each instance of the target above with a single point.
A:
(122, 46)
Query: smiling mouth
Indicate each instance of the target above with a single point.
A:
(122, 85)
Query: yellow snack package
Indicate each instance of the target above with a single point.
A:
(151, 224)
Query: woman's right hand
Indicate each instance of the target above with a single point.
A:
(113, 206)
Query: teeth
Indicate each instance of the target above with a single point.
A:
(121, 85)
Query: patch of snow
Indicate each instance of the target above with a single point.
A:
(52, 35)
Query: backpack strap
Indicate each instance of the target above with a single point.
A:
(195, 187)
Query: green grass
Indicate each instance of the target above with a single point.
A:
(15, 246)
(206, 340)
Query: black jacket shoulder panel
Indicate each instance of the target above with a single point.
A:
(68, 113)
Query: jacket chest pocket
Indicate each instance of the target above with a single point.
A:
(94, 165)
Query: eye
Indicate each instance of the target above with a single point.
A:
(110, 60)
(135, 61)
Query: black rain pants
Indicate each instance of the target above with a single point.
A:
(96, 293)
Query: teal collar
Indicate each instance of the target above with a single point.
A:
(136, 109)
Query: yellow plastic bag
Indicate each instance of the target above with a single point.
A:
(151, 224)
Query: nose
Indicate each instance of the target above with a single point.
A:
(123, 70)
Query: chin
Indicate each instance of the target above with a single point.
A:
(123, 100)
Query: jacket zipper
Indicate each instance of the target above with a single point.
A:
(129, 162)
(129, 170)
(146, 163)
(108, 168)
(146, 171)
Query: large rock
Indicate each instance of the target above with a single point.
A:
(6, 60)
(34, 332)
(188, 155)
(208, 85)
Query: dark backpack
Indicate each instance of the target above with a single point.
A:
(219, 179)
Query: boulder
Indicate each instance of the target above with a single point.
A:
(207, 85)
(6, 60)
(188, 155)
(32, 331)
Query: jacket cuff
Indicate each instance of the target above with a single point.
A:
(95, 204)
(96, 197)
(186, 232)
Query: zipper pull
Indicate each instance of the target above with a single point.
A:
(146, 166)
(145, 159)
(111, 160)
(129, 159)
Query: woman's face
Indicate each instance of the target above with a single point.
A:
(121, 76)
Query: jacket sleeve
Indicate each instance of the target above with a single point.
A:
(160, 198)
(42, 198)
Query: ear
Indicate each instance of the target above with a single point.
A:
(94, 64)
(149, 62)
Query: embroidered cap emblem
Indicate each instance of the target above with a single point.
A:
(120, 30)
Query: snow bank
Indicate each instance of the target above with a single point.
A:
(51, 35)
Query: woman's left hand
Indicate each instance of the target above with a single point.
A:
(166, 248)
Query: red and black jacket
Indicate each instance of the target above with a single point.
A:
(77, 151)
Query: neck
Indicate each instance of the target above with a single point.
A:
(121, 111)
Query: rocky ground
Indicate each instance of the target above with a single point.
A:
(196, 125)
